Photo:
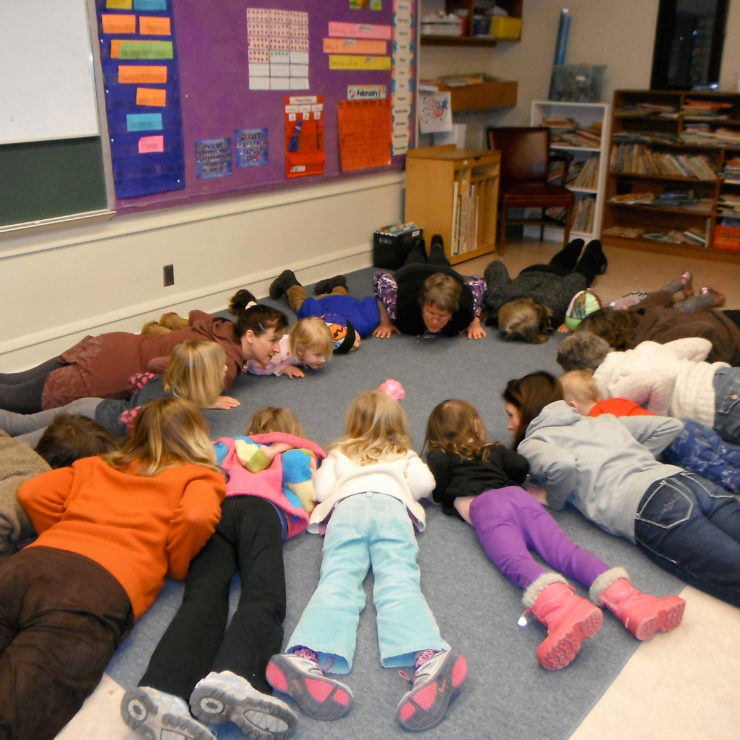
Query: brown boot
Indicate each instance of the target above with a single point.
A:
(173, 321)
(152, 327)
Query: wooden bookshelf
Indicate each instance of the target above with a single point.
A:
(454, 192)
(671, 183)
(468, 37)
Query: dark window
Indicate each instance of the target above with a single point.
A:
(688, 44)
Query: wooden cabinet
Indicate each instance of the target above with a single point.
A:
(581, 130)
(454, 192)
(672, 184)
(469, 37)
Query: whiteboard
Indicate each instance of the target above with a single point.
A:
(47, 80)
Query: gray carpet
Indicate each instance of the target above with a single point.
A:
(507, 694)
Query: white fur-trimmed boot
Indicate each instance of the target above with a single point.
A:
(642, 614)
(570, 619)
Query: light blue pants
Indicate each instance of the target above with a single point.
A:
(368, 530)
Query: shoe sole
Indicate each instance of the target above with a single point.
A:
(317, 696)
(565, 648)
(667, 619)
(258, 718)
(141, 714)
(426, 706)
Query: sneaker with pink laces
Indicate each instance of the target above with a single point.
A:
(436, 682)
(319, 696)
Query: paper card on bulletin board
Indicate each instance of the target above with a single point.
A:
(364, 133)
(230, 73)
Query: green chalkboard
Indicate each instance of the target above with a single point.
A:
(51, 179)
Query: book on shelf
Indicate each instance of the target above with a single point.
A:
(626, 232)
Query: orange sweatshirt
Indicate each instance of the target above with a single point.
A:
(139, 528)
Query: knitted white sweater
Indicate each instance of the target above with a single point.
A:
(669, 379)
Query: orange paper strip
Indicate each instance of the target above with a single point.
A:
(152, 26)
(151, 96)
(151, 144)
(118, 23)
(354, 46)
(146, 74)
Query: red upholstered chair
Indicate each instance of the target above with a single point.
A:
(525, 160)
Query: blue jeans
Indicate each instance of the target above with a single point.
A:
(691, 528)
(727, 403)
(368, 530)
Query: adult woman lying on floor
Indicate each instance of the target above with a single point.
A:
(426, 297)
(100, 366)
(605, 467)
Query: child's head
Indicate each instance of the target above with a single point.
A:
(166, 432)
(456, 426)
(439, 300)
(582, 351)
(525, 397)
(375, 428)
(260, 329)
(275, 419)
(70, 437)
(580, 390)
(525, 320)
(311, 342)
(616, 327)
(196, 371)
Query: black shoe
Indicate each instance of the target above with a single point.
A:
(437, 247)
(327, 285)
(281, 283)
(595, 249)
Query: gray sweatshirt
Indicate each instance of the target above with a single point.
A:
(601, 465)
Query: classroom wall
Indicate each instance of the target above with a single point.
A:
(58, 285)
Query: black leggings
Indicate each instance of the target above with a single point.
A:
(570, 258)
(21, 392)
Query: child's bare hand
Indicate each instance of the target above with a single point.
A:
(563, 329)
(225, 402)
(293, 371)
(475, 329)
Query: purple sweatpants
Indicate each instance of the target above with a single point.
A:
(509, 523)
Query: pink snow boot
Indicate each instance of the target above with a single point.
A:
(643, 615)
(569, 619)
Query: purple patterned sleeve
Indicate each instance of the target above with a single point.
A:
(477, 285)
(385, 289)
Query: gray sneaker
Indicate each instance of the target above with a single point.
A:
(227, 697)
(156, 715)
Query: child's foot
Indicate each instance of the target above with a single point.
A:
(304, 681)
(153, 327)
(173, 321)
(717, 298)
(157, 715)
(684, 280)
(227, 697)
(327, 285)
(281, 283)
(436, 682)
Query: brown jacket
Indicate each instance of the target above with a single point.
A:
(100, 366)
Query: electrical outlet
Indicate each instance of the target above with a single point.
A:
(168, 272)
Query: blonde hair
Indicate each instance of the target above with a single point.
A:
(311, 333)
(580, 386)
(441, 290)
(166, 432)
(375, 428)
(275, 419)
(526, 320)
(456, 426)
(196, 371)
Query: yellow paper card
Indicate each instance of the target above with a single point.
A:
(341, 61)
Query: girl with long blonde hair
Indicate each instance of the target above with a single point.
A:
(368, 490)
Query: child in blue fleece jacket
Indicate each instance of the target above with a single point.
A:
(269, 495)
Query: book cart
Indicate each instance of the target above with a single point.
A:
(454, 192)
(674, 173)
(582, 131)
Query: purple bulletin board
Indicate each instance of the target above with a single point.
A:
(214, 124)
